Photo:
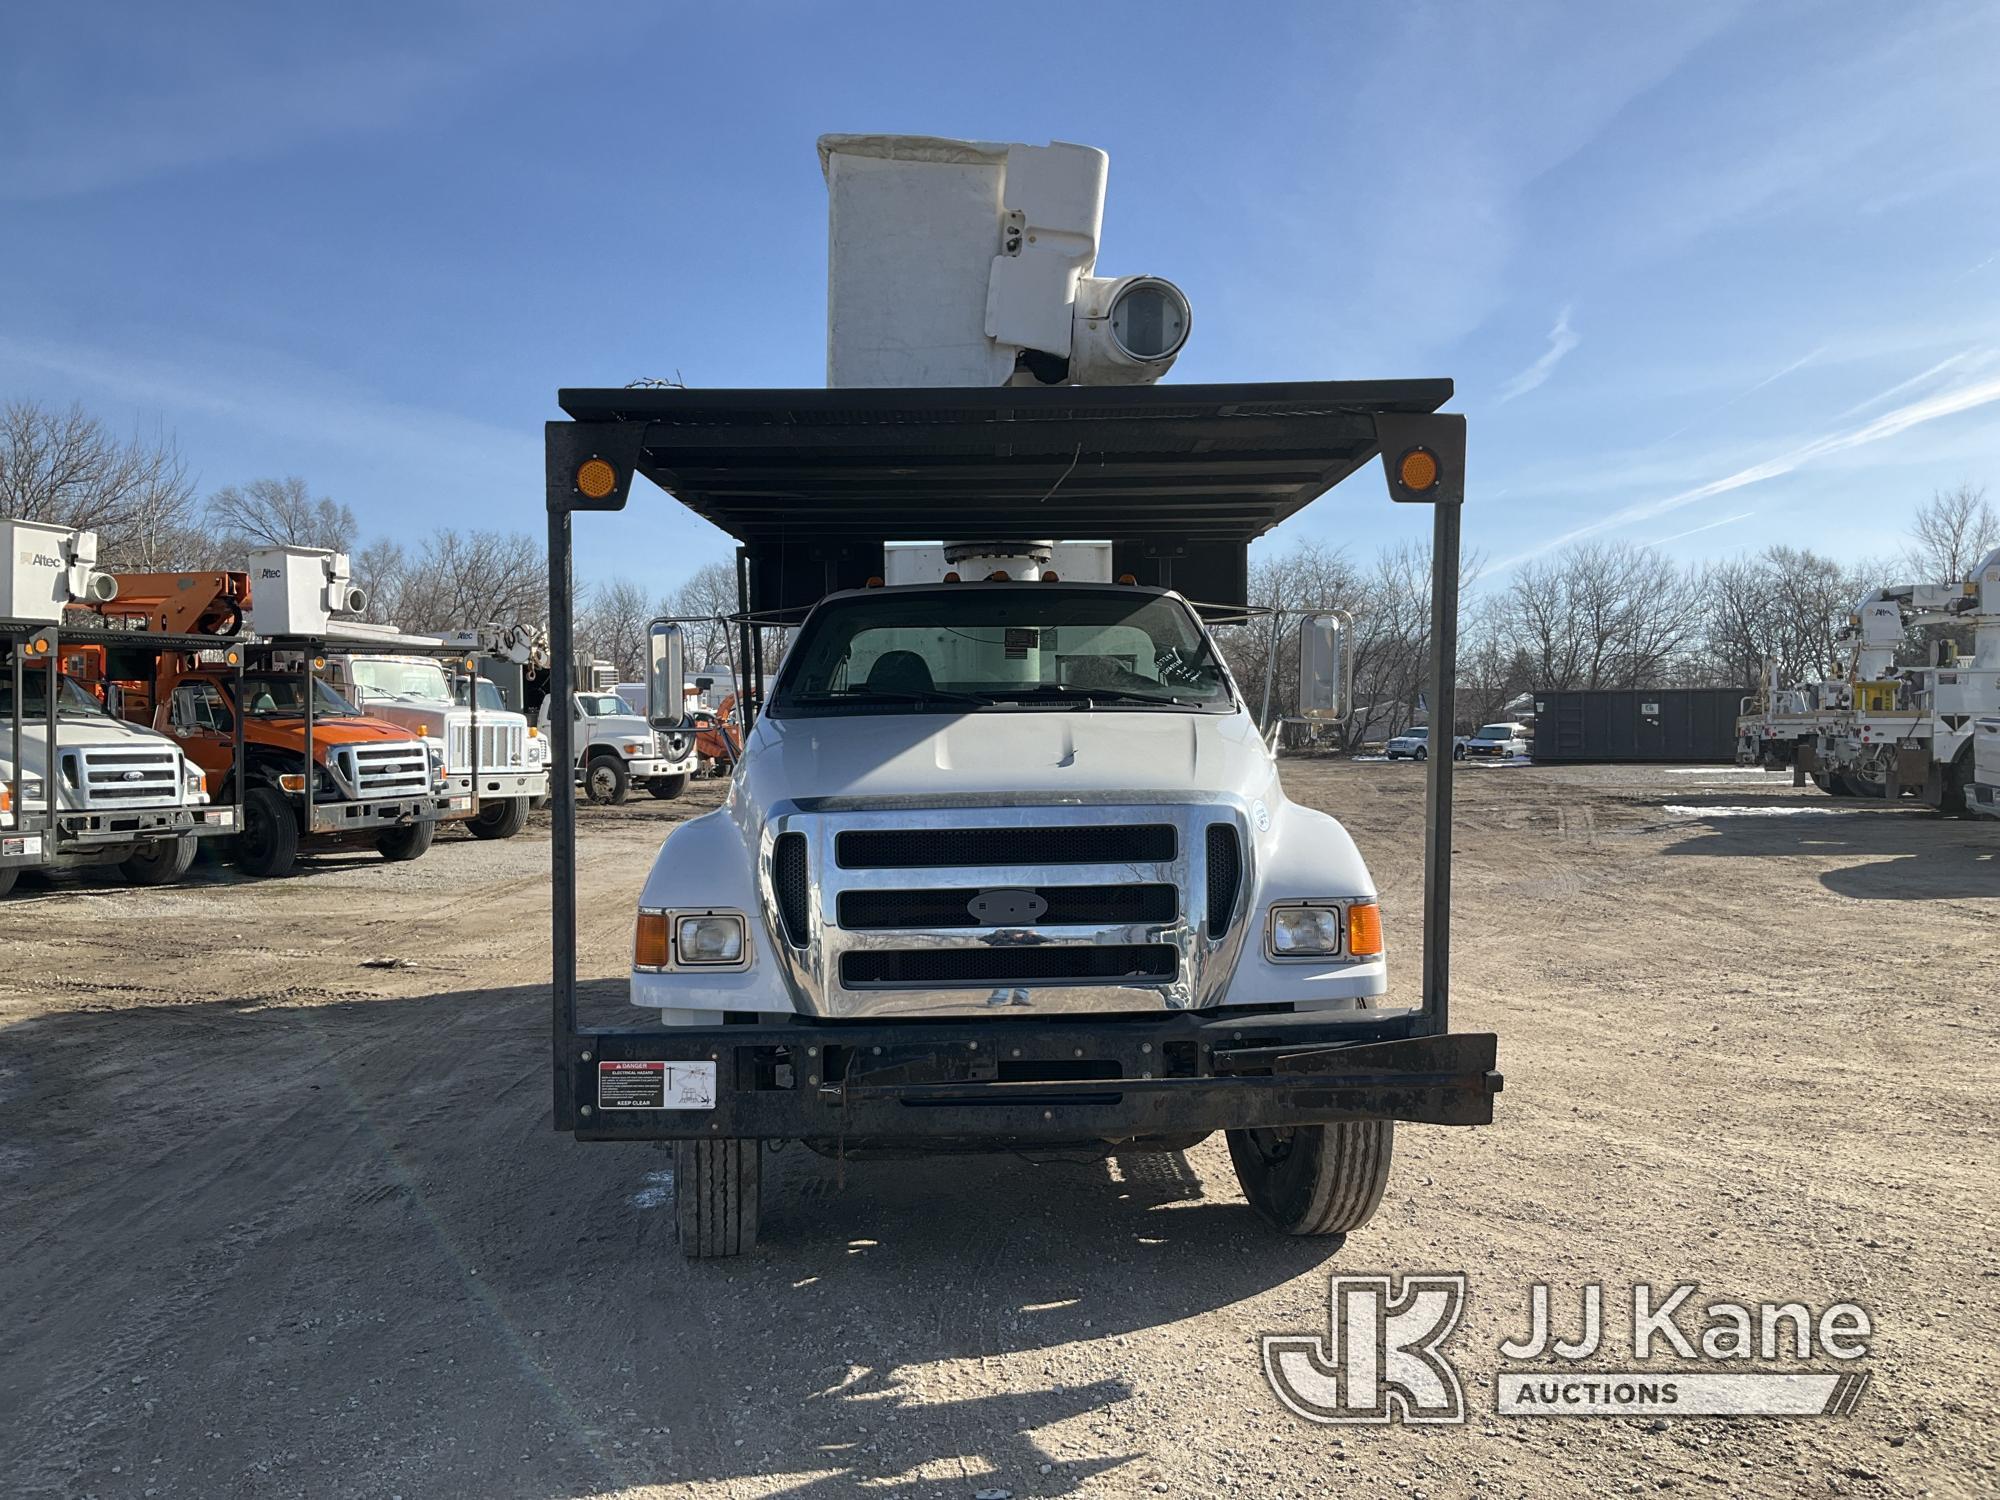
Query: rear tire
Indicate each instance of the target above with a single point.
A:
(411, 841)
(1315, 1179)
(1458, 752)
(1420, 753)
(500, 820)
(666, 788)
(268, 846)
(605, 780)
(161, 862)
(717, 1188)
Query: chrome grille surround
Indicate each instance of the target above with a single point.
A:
(813, 967)
(386, 768)
(502, 747)
(102, 776)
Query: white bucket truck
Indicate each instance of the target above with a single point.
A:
(1007, 864)
(78, 785)
(617, 748)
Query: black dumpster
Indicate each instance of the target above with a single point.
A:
(1641, 724)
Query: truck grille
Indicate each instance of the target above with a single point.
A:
(1149, 962)
(502, 747)
(124, 777)
(877, 910)
(399, 769)
(930, 848)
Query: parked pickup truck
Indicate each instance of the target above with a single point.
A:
(1415, 744)
(617, 747)
(124, 795)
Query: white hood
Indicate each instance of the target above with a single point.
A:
(1046, 754)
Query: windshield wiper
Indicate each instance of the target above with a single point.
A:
(1070, 693)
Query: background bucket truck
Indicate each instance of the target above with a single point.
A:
(79, 785)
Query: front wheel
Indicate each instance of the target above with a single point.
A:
(268, 846)
(666, 788)
(408, 842)
(500, 819)
(718, 1187)
(605, 781)
(1315, 1179)
(8, 875)
(161, 862)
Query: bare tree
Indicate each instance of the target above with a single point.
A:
(1605, 615)
(1951, 532)
(612, 626)
(65, 467)
(280, 513)
(703, 603)
(457, 581)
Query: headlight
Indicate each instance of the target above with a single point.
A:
(1305, 931)
(437, 761)
(713, 940)
(534, 751)
(194, 780)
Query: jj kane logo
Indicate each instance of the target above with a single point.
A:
(1383, 1357)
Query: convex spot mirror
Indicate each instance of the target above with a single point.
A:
(666, 661)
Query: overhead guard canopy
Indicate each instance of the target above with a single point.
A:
(1180, 477)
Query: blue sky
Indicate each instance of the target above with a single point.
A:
(1708, 276)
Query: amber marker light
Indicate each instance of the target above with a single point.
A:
(1417, 469)
(595, 478)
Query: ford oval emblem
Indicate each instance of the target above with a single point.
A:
(1006, 908)
(1261, 816)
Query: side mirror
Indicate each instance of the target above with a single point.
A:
(666, 679)
(1326, 667)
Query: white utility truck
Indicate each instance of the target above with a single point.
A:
(616, 748)
(78, 785)
(494, 759)
(1007, 864)
(1909, 727)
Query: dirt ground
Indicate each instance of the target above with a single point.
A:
(281, 1212)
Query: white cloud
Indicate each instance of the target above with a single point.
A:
(1890, 424)
(1710, 526)
(1562, 339)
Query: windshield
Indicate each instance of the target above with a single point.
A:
(970, 647)
(599, 705)
(271, 696)
(1495, 732)
(489, 695)
(406, 681)
(72, 700)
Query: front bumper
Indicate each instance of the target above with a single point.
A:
(647, 770)
(501, 786)
(382, 812)
(1088, 1080)
(103, 831)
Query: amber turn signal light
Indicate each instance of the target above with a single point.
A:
(649, 942)
(1364, 930)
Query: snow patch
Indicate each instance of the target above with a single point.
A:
(658, 1189)
(1681, 810)
(1718, 771)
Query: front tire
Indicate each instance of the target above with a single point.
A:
(8, 875)
(500, 820)
(718, 1186)
(411, 841)
(1315, 1179)
(605, 781)
(666, 788)
(268, 846)
(161, 862)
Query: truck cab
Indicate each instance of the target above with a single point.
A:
(371, 780)
(617, 748)
(493, 759)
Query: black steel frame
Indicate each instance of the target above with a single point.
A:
(1297, 1068)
